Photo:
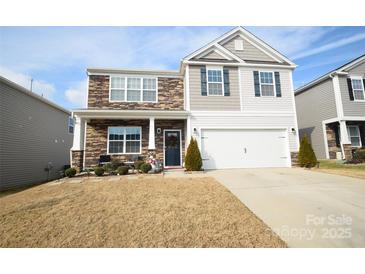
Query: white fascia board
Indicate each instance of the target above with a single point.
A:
(240, 64)
(242, 113)
(140, 72)
(352, 64)
(262, 45)
(129, 114)
(268, 48)
(197, 52)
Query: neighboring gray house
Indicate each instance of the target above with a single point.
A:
(35, 135)
(331, 111)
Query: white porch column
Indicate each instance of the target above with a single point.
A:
(188, 132)
(79, 128)
(345, 141)
(151, 135)
(344, 134)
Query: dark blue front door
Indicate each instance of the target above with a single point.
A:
(172, 148)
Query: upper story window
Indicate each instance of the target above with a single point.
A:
(71, 124)
(132, 89)
(358, 89)
(267, 85)
(124, 140)
(215, 81)
(354, 134)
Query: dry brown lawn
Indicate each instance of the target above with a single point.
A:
(142, 212)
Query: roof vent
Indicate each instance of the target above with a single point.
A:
(238, 44)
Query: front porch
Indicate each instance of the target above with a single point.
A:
(128, 136)
(343, 137)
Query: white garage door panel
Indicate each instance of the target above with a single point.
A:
(244, 148)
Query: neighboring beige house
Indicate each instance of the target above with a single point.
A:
(331, 111)
(234, 95)
(35, 137)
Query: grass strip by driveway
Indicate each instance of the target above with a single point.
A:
(336, 167)
(143, 212)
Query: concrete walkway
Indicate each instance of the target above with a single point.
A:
(306, 208)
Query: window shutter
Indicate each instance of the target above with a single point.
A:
(256, 81)
(203, 80)
(362, 134)
(349, 85)
(226, 81)
(277, 84)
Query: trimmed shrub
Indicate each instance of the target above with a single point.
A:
(193, 159)
(137, 164)
(70, 172)
(123, 170)
(358, 156)
(145, 167)
(108, 167)
(99, 171)
(306, 156)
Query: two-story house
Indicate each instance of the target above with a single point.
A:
(331, 111)
(234, 95)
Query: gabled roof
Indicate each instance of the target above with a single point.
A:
(32, 94)
(340, 70)
(245, 33)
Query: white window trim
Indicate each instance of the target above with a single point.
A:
(274, 83)
(125, 88)
(214, 68)
(125, 142)
(68, 125)
(358, 132)
(362, 85)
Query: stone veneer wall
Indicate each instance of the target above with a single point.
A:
(170, 95)
(97, 131)
(347, 149)
(331, 140)
(294, 159)
(77, 159)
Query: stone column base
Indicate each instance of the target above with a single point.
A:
(77, 160)
(348, 151)
(294, 158)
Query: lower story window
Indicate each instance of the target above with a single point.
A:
(354, 134)
(124, 140)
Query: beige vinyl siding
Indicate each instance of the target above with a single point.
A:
(216, 120)
(252, 103)
(352, 108)
(213, 55)
(199, 102)
(313, 106)
(32, 134)
(358, 70)
(249, 52)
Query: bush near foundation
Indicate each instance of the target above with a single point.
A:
(145, 167)
(99, 171)
(193, 159)
(70, 172)
(306, 157)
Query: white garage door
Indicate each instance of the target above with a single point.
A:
(244, 148)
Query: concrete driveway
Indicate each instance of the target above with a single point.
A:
(306, 208)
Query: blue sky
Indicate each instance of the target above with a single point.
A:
(57, 57)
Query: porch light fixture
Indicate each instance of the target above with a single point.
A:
(158, 130)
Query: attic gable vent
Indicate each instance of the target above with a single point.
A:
(238, 44)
